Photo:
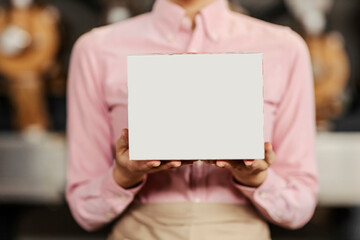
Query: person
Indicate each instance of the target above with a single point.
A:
(174, 199)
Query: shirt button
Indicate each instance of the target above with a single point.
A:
(170, 37)
(109, 215)
(214, 37)
(123, 198)
(279, 213)
(263, 195)
(186, 23)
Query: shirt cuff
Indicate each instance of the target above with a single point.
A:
(270, 187)
(116, 196)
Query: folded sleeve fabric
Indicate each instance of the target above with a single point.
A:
(289, 194)
(92, 193)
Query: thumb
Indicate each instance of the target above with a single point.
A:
(268, 146)
(248, 163)
(123, 142)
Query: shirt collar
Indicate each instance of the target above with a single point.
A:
(169, 17)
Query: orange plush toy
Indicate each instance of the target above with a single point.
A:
(29, 41)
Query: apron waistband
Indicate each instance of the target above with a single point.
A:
(195, 213)
(190, 221)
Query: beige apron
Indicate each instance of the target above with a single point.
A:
(190, 221)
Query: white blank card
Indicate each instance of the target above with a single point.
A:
(195, 106)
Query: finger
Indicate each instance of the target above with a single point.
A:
(268, 146)
(227, 164)
(141, 166)
(122, 143)
(147, 165)
(165, 166)
(172, 164)
(269, 154)
(259, 165)
(270, 158)
(248, 162)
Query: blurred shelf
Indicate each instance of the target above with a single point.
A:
(33, 170)
(338, 156)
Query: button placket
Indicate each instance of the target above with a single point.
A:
(197, 181)
(197, 175)
(197, 36)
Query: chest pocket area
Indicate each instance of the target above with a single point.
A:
(273, 91)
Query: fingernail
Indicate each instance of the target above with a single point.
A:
(248, 163)
(220, 164)
(176, 164)
(156, 164)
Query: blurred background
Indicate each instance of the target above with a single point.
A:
(36, 38)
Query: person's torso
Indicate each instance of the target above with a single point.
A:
(149, 33)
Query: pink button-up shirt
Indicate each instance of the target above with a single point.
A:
(97, 111)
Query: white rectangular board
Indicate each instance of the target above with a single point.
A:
(195, 106)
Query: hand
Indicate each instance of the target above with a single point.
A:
(251, 173)
(128, 173)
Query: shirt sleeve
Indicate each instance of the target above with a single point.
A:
(288, 196)
(92, 193)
